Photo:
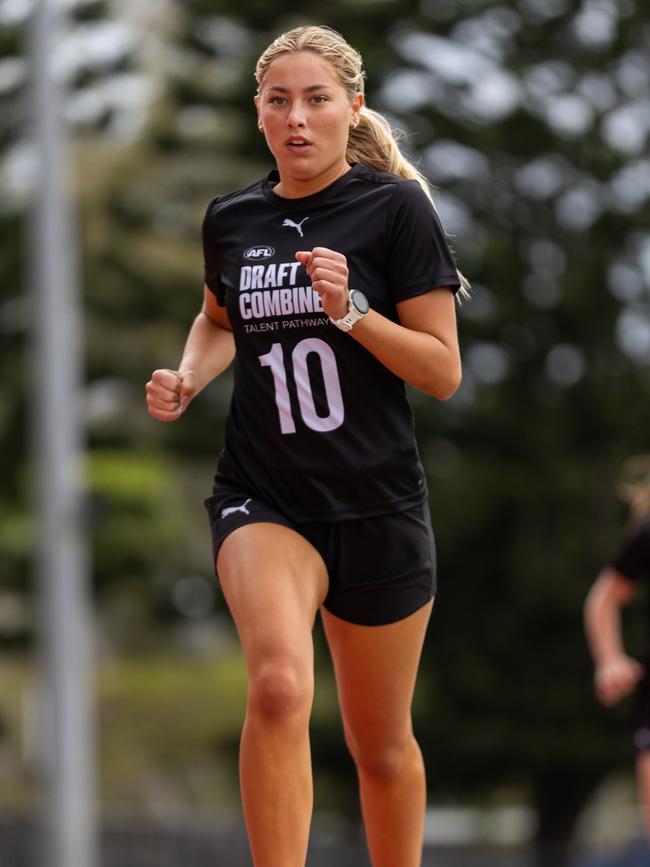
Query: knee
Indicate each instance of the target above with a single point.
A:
(385, 762)
(280, 690)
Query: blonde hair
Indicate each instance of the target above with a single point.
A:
(372, 142)
(634, 487)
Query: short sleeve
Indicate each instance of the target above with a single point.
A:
(633, 560)
(212, 276)
(419, 256)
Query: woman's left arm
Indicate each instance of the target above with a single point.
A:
(422, 348)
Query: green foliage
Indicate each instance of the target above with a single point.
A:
(137, 525)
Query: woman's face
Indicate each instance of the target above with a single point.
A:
(306, 115)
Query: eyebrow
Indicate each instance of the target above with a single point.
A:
(309, 89)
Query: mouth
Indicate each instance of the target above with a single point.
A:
(298, 144)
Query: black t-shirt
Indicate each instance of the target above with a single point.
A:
(317, 426)
(633, 560)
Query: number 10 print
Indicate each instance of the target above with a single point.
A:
(275, 360)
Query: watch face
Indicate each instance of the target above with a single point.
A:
(359, 301)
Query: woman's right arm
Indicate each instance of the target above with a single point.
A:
(616, 673)
(209, 349)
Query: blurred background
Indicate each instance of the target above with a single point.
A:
(531, 118)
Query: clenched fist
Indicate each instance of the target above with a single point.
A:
(169, 392)
(328, 271)
(617, 678)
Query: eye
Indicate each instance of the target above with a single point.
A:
(319, 98)
(277, 100)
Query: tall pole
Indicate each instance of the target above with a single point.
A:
(69, 820)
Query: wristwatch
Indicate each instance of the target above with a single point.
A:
(357, 308)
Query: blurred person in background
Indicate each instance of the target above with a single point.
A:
(331, 283)
(616, 673)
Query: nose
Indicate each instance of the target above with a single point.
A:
(296, 117)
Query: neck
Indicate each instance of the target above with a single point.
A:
(291, 187)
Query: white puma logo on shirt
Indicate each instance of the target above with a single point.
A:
(297, 226)
(231, 509)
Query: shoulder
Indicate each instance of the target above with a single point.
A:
(641, 533)
(633, 558)
(399, 199)
(222, 203)
(395, 186)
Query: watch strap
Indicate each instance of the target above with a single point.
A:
(353, 315)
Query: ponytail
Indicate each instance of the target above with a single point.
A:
(374, 144)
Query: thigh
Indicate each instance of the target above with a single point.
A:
(232, 506)
(376, 669)
(643, 776)
(274, 582)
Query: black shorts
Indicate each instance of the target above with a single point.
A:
(641, 714)
(381, 569)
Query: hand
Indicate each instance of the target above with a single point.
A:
(616, 678)
(169, 392)
(328, 271)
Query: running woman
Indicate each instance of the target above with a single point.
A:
(330, 283)
(617, 674)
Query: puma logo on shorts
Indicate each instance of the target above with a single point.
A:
(232, 509)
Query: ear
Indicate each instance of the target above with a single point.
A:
(357, 102)
(256, 100)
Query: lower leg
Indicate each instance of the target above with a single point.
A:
(276, 785)
(375, 672)
(393, 803)
(643, 785)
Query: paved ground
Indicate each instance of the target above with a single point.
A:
(202, 843)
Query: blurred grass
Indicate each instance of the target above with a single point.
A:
(17, 783)
(168, 731)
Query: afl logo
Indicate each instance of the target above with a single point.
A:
(261, 252)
